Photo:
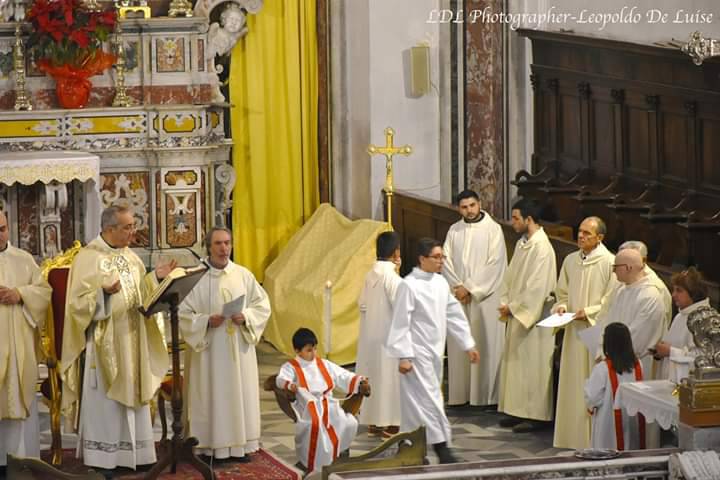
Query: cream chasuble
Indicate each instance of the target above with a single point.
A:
(323, 429)
(221, 373)
(19, 353)
(425, 312)
(376, 301)
(682, 346)
(640, 306)
(584, 283)
(125, 357)
(526, 369)
(477, 259)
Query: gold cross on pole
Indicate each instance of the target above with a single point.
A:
(389, 150)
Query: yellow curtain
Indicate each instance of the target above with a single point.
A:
(273, 87)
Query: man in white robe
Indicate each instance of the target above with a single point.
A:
(585, 281)
(381, 411)
(476, 260)
(221, 373)
(125, 352)
(654, 279)
(425, 312)
(638, 303)
(526, 391)
(24, 298)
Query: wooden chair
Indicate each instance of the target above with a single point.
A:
(56, 271)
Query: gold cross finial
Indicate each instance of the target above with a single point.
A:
(389, 150)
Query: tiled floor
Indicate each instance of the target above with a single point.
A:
(475, 432)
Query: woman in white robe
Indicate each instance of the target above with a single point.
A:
(677, 350)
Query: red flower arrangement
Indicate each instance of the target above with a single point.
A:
(66, 42)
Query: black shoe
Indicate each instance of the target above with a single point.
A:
(244, 459)
(509, 422)
(528, 426)
(444, 454)
(105, 472)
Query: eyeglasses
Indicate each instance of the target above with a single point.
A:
(128, 228)
(437, 257)
(615, 266)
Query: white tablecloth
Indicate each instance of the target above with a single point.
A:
(27, 168)
(652, 398)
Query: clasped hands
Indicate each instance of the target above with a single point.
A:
(9, 296)
(405, 365)
(218, 319)
(462, 294)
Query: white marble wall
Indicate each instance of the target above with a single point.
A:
(371, 41)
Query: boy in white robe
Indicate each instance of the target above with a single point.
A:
(425, 312)
(381, 412)
(323, 428)
(613, 428)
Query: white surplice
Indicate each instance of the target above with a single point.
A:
(598, 395)
(526, 369)
(376, 301)
(221, 373)
(19, 324)
(682, 346)
(640, 306)
(477, 259)
(425, 312)
(323, 429)
(585, 281)
(664, 291)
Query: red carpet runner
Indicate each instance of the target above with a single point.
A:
(263, 466)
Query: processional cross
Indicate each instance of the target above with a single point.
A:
(389, 150)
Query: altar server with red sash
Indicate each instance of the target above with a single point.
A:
(614, 428)
(323, 428)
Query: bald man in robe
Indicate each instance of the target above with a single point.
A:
(584, 283)
(652, 277)
(638, 303)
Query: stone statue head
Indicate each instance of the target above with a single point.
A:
(704, 324)
(232, 18)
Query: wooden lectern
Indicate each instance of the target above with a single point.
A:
(168, 296)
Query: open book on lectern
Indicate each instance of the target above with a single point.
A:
(179, 281)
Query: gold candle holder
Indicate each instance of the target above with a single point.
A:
(122, 99)
(22, 102)
(180, 7)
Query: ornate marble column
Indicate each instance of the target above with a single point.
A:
(484, 151)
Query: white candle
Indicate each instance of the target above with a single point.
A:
(327, 317)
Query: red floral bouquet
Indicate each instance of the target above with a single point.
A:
(66, 42)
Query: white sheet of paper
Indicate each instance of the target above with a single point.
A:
(556, 320)
(591, 337)
(234, 307)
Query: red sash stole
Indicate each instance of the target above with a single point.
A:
(619, 437)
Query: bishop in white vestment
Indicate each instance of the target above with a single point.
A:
(376, 307)
(585, 281)
(125, 352)
(526, 371)
(425, 312)
(221, 374)
(24, 298)
(476, 260)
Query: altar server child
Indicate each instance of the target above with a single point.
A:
(613, 428)
(323, 428)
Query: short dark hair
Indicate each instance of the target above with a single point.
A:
(425, 245)
(211, 232)
(303, 336)
(618, 347)
(692, 281)
(466, 194)
(600, 227)
(528, 208)
(386, 244)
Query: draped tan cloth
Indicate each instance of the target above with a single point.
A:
(19, 332)
(129, 348)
